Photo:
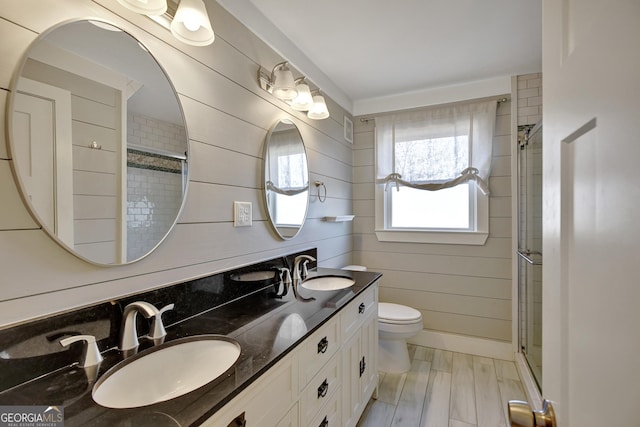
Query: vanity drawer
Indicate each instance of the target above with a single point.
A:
(330, 415)
(291, 419)
(320, 390)
(354, 315)
(266, 401)
(318, 349)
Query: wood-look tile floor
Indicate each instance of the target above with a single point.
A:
(445, 389)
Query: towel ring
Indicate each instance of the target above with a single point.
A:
(323, 197)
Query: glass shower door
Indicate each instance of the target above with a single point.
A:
(530, 249)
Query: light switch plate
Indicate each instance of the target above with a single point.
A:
(242, 214)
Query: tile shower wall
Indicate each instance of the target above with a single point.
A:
(459, 289)
(529, 99)
(153, 201)
(150, 132)
(227, 117)
(154, 192)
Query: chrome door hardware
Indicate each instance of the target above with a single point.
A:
(526, 255)
(521, 415)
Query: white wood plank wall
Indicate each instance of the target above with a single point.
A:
(227, 117)
(459, 289)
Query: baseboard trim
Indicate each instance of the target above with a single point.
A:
(464, 344)
(528, 383)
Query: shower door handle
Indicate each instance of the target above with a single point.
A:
(521, 415)
(526, 255)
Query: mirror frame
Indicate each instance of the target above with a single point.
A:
(265, 179)
(11, 143)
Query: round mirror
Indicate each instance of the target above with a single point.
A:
(98, 142)
(286, 179)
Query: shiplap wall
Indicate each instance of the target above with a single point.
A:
(227, 116)
(459, 289)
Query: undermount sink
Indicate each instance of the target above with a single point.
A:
(327, 283)
(166, 372)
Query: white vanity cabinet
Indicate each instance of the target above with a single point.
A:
(359, 355)
(325, 382)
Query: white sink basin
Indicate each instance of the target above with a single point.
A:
(165, 372)
(327, 283)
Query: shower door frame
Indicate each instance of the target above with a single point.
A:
(525, 261)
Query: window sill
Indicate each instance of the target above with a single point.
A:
(443, 237)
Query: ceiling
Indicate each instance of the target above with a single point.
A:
(363, 53)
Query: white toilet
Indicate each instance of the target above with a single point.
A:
(396, 323)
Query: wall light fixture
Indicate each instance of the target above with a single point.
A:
(319, 108)
(191, 23)
(187, 20)
(145, 7)
(281, 84)
(303, 101)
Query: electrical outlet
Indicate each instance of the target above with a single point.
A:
(242, 214)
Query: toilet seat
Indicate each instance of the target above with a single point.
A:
(397, 314)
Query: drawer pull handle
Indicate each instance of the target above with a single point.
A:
(323, 345)
(363, 365)
(325, 422)
(322, 390)
(361, 308)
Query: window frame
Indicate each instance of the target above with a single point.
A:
(444, 236)
(477, 233)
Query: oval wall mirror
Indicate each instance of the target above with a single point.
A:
(98, 142)
(286, 176)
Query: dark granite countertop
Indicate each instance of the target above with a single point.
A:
(254, 321)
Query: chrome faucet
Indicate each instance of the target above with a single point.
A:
(129, 334)
(299, 274)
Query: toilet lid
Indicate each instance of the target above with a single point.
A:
(396, 313)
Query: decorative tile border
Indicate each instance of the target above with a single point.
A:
(158, 162)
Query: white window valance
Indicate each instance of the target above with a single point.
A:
(436, 148)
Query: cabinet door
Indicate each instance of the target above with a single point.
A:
(351, 391)
(369, 348)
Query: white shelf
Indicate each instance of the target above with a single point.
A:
(340, 218)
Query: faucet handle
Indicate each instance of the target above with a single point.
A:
(304, 260)
(305, 271)
(156, 330)
(285, 275)
(284, 282)
(90, 353)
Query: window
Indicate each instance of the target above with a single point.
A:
(432, 169)
(292, 175)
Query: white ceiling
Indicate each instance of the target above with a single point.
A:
(362, 51)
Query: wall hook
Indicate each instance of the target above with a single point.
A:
(94, 145)
(319, 184)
